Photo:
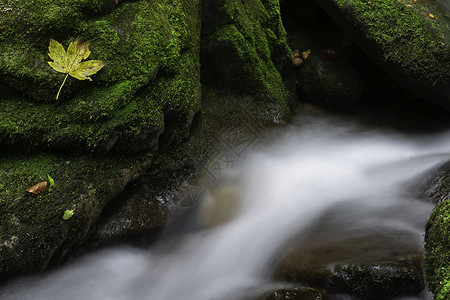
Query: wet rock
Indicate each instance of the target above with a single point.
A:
(379, 280)
(437, 184)
(305, 293)
(134, 216)
(363, 266)
(342, 259)
(437, 251)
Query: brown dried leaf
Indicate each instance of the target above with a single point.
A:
(306, 53)
(38, 188)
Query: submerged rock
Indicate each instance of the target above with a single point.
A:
(297, 294)
(352, 262)
(379, 280)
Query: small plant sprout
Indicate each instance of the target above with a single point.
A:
(50, 181)
(68, 214)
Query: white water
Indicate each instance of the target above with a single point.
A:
(286, 185)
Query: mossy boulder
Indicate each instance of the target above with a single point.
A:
(98, 136)
(132, 120)
(437, 251)
(409, 44)
(437, 242)
(152, 55)
(33, 233)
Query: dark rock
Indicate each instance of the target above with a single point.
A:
(330, 83)
(354, 261)
(363, 266)
(379, 280)
(305, 293)
(437, 184)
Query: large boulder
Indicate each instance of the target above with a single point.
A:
(410, 41)
(151, 77)
(152, 56)
(437, 242)
(127, 125)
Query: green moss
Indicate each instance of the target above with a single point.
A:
(437, 251)
(152, 55)
(32, 227)
(404, 36)
(252, 31)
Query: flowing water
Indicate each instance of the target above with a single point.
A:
(283, 186)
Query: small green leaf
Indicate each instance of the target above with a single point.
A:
(68, 214)
(51, 181)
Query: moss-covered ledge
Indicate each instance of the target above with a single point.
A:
(152, 55)
(100, 135)
(412, 47)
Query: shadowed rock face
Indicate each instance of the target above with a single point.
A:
(412, 47)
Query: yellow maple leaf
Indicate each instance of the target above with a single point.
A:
(70, 63)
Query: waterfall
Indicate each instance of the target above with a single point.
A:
(284, 185)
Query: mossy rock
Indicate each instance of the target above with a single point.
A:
(412, 47)
(152, 54)
(244, 45)
(33, 233)
(101, 135)
(437, 251)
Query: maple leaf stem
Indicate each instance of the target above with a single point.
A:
(57, 95)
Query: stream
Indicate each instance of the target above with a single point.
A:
(327, 173)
